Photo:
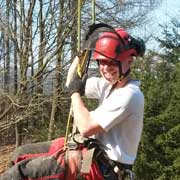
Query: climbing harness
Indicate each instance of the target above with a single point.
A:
(92, 160)
(95, 151)
(95, 31)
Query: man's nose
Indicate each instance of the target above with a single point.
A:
(107, 66)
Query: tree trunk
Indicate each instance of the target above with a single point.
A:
(57, 82)
(15, 50)
(39, 88)
(25, 40)
(7, 53)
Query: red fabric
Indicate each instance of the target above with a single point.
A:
(56, 176)
(95, 173)
(57, 150)
(28, 156)
(56, 145)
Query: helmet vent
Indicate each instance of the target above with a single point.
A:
(118, 50)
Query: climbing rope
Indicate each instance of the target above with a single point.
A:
(82, 66)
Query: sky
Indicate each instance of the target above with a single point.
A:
(162, 15)
(168, 8)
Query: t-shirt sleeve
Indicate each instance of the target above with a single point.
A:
(93, 87)
(112, 112)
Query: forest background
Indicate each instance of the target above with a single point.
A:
(38, 39)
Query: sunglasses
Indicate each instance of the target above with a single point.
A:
(107, 62)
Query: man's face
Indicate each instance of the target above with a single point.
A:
(109, 69)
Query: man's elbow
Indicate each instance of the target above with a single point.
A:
(89, 131)
(84, 133)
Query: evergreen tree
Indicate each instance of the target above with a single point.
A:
(159, 153)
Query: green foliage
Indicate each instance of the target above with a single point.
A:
(159, 151)
(171, 40)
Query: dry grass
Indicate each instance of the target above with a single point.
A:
(5, 156)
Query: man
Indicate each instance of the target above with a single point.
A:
(118, 120)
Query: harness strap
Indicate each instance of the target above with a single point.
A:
(81, 161)
(73, 160)
(87, 161)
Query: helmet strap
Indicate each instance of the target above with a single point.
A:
(121, 77)
(121, 74)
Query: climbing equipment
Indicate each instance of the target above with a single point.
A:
(95, 31)
(117, 46)
(109, 46)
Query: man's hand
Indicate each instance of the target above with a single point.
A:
(77, 84)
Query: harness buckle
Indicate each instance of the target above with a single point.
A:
(72, 146)
(130, 174)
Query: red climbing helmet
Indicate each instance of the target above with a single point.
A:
(107, 46)
(117, 46)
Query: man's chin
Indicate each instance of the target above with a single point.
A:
(110, 81)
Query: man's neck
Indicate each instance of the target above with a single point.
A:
(119, 84)
(123, 82)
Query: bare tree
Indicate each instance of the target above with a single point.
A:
(44, 36)
(7, 52)
(15, 50)
(41, 48)
(63, 33)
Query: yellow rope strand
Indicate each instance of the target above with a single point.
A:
(81, 65)
(78, 48)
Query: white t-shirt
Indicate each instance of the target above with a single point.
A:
(120, 114)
